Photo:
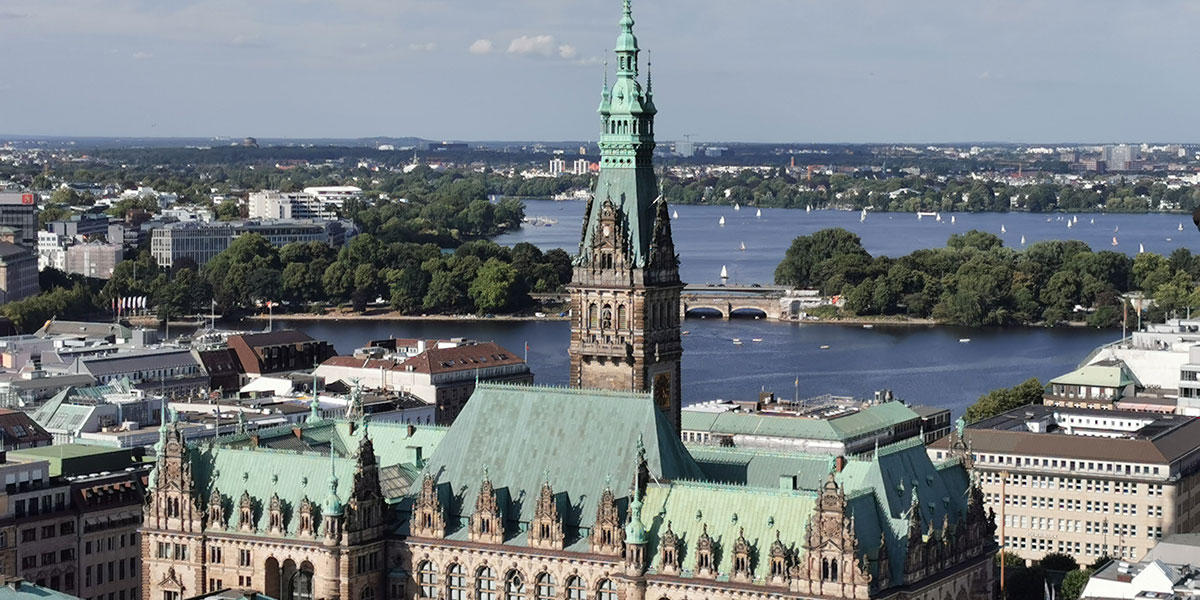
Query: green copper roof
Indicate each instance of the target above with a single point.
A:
(296, 467)
(25, 590)
(726, 511)
(873, 418)
(526, 435)
(1098, 375)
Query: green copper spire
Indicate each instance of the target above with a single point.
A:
(627, 178)
(635, 531)
(333, 504)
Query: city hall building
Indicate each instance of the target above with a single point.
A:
(578, 493)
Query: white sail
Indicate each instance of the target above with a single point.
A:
(724, 273)
(1114, 240)
(1022, 240)
(808, 208)
(1003, 230)
(1076, 219)
(939, 217)
(863, 216)
(1116, 228)
(951, 219)
(675, 215)
(1092, 222)
(743, 248)
(758, 213)
(1181, 227)
(1069, 223)
(737, 206)
(722, 221)
(1141, 248)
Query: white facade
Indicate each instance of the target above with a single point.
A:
(277, 205)
(336, 195)
(52, 253)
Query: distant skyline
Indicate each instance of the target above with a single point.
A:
(794, 71)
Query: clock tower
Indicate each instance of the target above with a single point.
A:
(625, 284)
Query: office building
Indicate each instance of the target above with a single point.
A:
(335, 195)
(277, 352)
(1087, 483)
(74, 511)
(18, 210)
(85, 225)
(51, 251)
(201, 241)
(1168, 572)
(94, 259)
(443, 376)
(282, 205)
(18, 271)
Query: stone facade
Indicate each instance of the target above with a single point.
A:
(625, 287)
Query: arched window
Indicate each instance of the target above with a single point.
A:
(833, 571)
(606, 590)
(456, 583)
(606, 317)
(621, 316)
(593, 316)
(368, 593)
(514, 587)
(575, 588)
(485, 584)
(427, 579)
(547, 587)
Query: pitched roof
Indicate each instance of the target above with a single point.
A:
(124, 362)
(273, 338)
(562, 427)
(1107, 374)
(19, 428)
(15, 588)
(8, 250)
(467, 357)
(55, 327)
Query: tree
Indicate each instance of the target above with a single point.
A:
(494, 288)
(1057, 561)
(1073, 584)
(1003, 400)
(976, 239)
(807, 251)
(408, 287)
(444, 294)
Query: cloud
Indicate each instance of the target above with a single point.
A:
(8, 15)
(481, 47)
(541, 44)
(427, 47)
(141, 55)
(567, 52)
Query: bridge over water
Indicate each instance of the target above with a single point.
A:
(776, 303)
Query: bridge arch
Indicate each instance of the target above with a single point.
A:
(703, 312)
(747, 312)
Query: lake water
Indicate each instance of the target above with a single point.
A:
(921, 364)
(927, 365)
(704, 246)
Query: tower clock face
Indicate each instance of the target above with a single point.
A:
(662, 391)
(607, 230)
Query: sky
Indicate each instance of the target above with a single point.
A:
(797, 71)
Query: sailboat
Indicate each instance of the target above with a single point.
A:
(758, 213)
(675, 215)
(1003, 230)
(939, 217)
(1181, 227)
(1092, 222)
(1022, 240)
(737, 206)
(724, 273)
(743, 248)
(1116, 228)
(808, 208)
(1076, 219)
(1069, 224)
(1114, 240)
(863, 216)
(1141, 248)
(722, 221)
(951, 219)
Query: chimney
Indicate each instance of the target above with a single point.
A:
(839, 463)
(420, 346)
(254, 440)
(411, 429)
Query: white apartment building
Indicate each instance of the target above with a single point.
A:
(1087, 483)
(277, 205)
(337, 195)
